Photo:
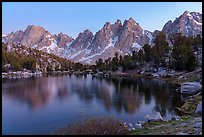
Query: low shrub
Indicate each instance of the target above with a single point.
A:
(94, 126)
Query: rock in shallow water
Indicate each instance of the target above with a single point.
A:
(133, 128)
(137, 125)
(156, 117)
(175, 117)
(130, 124)
(181, 133)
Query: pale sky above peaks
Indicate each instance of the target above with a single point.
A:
(74, 17)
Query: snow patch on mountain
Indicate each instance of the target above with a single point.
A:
(52, 47)
(136, 46)
(113, 41)
(111, 44)
(48, 36)
(35, 46)
(88, 51)
(149, 35)
(75, 55)
(198, 23)
(192, 17)
(3, 35)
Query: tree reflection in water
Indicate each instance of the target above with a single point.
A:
(119, 94)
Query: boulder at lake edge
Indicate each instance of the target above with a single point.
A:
(190, 88)
(199, 109)
(156, 117)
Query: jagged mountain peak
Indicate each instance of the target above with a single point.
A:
(131, 20)
(189, 24)
(82, 40)
(17, 31)
(62, 39)
(131, 23)
(87, 31)
(186, 12)
(34, 34)
(34, 27)
(197, 16)
(107, 24)
(63, 35)
(169, 22)
(118, 21)
(111, 38)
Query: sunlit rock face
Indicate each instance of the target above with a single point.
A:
(189, 24)
(62, 40)
(121, 38)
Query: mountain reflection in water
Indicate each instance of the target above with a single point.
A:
(121, 97)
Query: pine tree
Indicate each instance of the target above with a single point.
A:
(148, 53)
(140, 56)
(182, 53)
(160, 50)
(126, 63)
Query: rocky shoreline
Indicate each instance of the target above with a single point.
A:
(188, 123)
(21, 74)
(175, 77)
(29, 73)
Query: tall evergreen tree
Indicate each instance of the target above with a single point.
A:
(182, 53)
(148, 53)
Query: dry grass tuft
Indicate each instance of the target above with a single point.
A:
(94, 126)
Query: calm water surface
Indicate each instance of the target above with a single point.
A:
(40, 105)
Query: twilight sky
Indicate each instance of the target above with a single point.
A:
(72, 18)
